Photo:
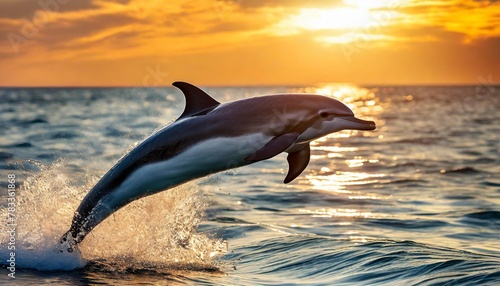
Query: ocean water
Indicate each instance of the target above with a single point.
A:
(415, 202)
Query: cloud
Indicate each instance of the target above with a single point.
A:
(16, 9)
(473, 19)
(138, 29)
(94, 28)
(256, 4)
(58, 31)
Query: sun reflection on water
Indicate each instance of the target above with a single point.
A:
(332, 212)
(339, 181)
(345, 176)
(342, 160)
(363, 101)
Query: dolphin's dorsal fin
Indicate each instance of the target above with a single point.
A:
(297, 162)
(198, 102)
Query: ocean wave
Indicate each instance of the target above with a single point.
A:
(490, 184)
(484, 215)
(64, 135)
(462, 171)
(4, 156)
(17, 145)
(337, 262)
(488, 219)
(413, 182)
(418, 141)
(484, 160)
(407, 224)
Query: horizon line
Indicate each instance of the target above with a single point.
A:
(255, 85)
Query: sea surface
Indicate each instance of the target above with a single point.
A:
(414, 202)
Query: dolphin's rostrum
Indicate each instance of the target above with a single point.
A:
(210, 137)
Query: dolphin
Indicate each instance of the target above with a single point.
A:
(210, 137)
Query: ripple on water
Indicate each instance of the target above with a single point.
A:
(489, 219)
(462, 171)
(4, 156)
(64, 135)
(490, 184)
(419, 141)
(280, 198)
(267, 209)
(408, 224)
(484, 160)
(411, 183)
(18, 145)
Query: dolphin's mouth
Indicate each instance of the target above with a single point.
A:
(359, 124)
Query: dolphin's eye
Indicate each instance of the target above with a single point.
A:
(324, 114)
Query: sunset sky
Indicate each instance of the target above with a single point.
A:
(248, 42)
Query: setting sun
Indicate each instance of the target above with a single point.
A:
(337, 18)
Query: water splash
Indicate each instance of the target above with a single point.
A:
(157, 233)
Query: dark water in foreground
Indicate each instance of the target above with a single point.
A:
(415, 202)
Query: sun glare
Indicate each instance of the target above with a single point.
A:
(356, 14)
(338, 18)
(356, 20)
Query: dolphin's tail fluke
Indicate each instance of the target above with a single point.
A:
(81, 226)
(68, 242)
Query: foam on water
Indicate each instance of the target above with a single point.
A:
(156, 233)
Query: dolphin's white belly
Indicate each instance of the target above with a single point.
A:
(206, 157)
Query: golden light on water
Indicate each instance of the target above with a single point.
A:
(362, 101)
(339, 182)
(332, 151)
(343, 176)
(359, 161)
(365, 104)
(333, 212)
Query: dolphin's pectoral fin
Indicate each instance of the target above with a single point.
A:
(297, 162)
(198, 102)
(274, 147)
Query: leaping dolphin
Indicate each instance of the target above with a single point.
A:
(210, 137)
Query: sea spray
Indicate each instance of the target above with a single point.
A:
(158, 231)
(45, 205)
